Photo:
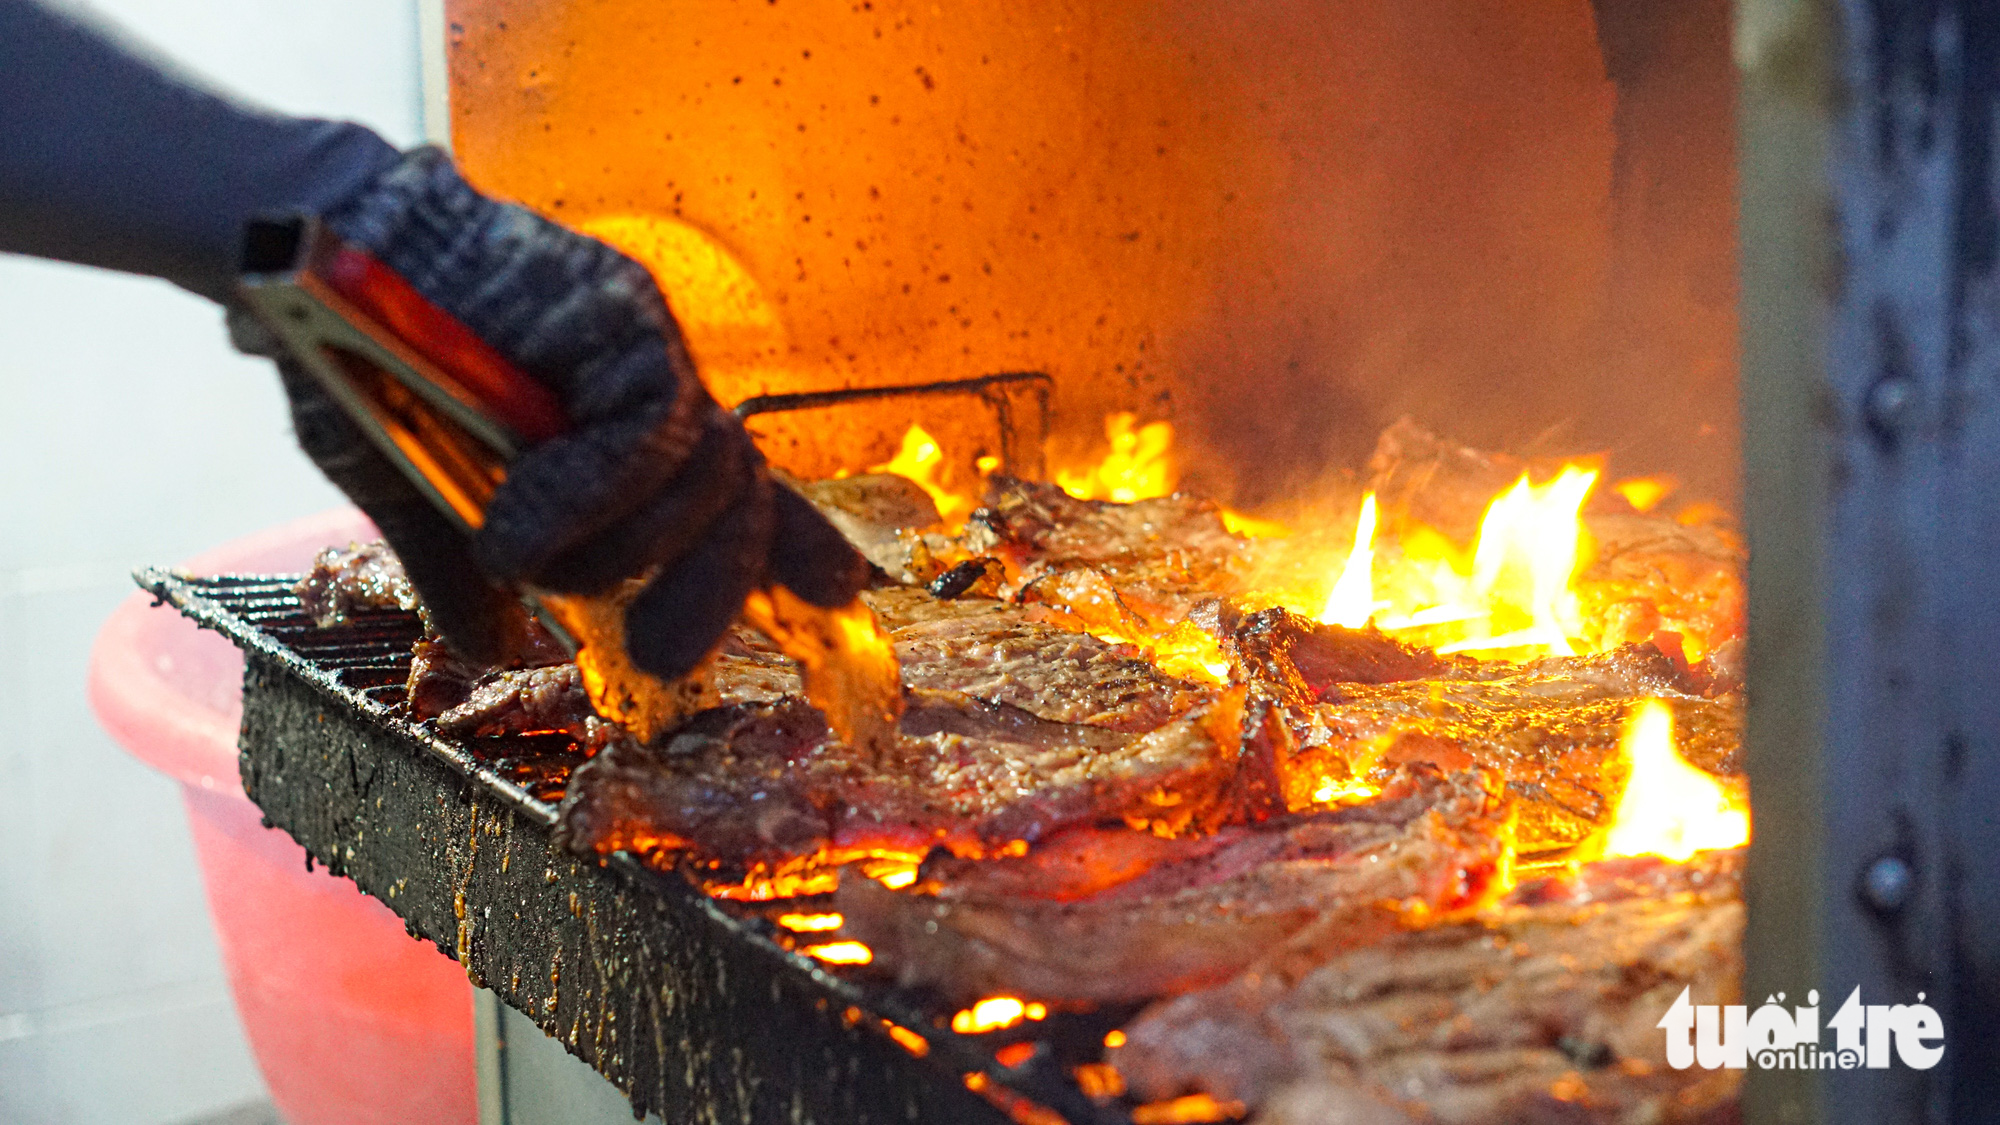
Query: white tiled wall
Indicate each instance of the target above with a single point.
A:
(130, 434)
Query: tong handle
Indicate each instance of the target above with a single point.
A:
(441, 403)
(477, 374)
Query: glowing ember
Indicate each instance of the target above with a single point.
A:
(1114, 1038)
(1099, 1081)
(1669, 808)
(892, 871)
(1352, 601)
(841, 953)
(1190, 1110)
(1016, 1107)
(995, 1013)
(921, 461)
(908, 1040)
(1014, 1054)
(1138, 467)
(767, 888)
(810, 923)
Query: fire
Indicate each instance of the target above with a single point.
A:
(1669, 808)
(1352, 601)
(920, 460)
(996, 1013)
(1139, 466)
(1184, 650)
(1512, 594)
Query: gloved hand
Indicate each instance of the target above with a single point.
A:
(651, 473)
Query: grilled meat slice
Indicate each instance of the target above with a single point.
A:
(359, 576)
(1418, 475)
(544, 700)
(1554, 738)
(982, 648)
(765, 787)
(440, 679)
(1541, 1011)
(1041, 522)
(1103, 917)
(873, 511)
(1354, 701)
(1100, 564)
(1653, 575)
(1059, 675)
(1309, 662)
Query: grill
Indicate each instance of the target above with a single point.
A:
(695, 1008)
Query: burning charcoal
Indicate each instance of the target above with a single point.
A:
(1544, 1010)
(981, 575)
(1157, 919)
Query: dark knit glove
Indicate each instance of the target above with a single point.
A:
(651, 475)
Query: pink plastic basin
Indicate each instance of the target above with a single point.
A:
(352, 1022)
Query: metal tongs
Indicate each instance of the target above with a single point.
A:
(452, 413)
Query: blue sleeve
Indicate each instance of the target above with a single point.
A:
(107, 161)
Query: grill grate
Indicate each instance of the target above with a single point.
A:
(318, 778)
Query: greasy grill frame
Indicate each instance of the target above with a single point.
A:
(694, 1011)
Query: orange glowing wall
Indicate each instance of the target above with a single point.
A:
(1280, 223)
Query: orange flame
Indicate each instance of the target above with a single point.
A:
(1669, 808)
(1352, 600)
(1513, 595)
(1139, 465)
(921, 461)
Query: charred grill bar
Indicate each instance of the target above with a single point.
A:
(694, 1011)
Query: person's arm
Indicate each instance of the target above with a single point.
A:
(107, 161)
